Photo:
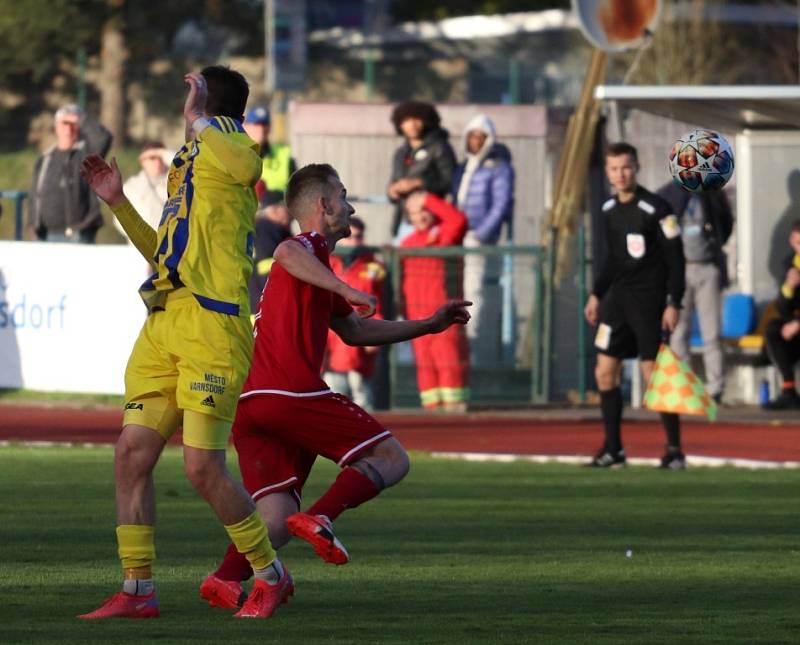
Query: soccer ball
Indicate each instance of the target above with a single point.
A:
(701, 160)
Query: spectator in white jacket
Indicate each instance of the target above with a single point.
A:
(483, 186)
(147, 190)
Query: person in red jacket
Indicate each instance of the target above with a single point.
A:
(349, 369)
(428, 282)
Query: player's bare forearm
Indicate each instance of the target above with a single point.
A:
(306, 267)
(366, 332)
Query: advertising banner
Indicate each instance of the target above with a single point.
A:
(69, 315)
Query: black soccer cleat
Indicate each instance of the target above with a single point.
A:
(673, 461)
(606, 459)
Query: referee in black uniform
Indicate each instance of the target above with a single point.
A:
(635, 298)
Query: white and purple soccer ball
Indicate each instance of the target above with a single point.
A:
(701, 160)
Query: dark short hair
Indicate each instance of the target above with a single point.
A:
(795, 226)
(416, 110)
(227, 92)
(621, 148)
(307, 181)
(357, 222)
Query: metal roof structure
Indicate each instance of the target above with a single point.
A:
(730, 107)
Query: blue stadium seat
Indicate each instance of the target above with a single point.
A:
(738, 315)
(738, 318)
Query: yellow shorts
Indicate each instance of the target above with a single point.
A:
(188, 358)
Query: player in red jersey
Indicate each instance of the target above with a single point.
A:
(287, 415)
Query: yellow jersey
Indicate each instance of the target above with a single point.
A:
(206, 234)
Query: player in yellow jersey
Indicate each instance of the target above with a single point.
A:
(193, 353)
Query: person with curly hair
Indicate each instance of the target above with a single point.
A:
(424, 161)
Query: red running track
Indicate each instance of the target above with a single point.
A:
(523, 434)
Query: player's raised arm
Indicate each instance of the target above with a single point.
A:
(454, 222)
(106, 181)
(293, 257)
(360, 331)
(231, 153)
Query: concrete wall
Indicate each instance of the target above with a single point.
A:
(359, 140)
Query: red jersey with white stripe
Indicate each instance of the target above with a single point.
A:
(292, 329)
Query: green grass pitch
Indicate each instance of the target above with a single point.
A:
(458, 553)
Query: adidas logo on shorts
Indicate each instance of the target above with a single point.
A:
(209, 401)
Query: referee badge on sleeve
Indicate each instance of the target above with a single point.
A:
(636, 245)
(603, 338)
(670, 226)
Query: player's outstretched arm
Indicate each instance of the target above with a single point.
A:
(106, 180)
(360, 331)
(306, 267)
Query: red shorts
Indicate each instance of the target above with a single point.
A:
(278, 437)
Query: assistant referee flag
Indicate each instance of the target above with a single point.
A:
(675, 388)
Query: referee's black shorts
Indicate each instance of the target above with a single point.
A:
(629, 324)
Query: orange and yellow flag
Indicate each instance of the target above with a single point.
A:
(674, 387)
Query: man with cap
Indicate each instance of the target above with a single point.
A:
(276, 157)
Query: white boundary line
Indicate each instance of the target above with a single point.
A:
(707, 462)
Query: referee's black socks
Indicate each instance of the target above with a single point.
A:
(672, 426)
(611, 408)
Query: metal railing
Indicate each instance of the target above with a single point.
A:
(518, 372)
(18, 196)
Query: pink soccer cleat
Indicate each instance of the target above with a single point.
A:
(317, 530)
(225, 594)
(265, 598)
(125, 605)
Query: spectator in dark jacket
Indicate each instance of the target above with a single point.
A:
(782, 336)
(706, 222)
(62, 207)
(483, 186)
(425, 160)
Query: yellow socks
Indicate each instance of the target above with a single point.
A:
(137, 552)
(136, 547)
(250, 538)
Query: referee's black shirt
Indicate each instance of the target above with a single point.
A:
(645, 251)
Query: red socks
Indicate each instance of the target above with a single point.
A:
(350, 489)
(234, 566)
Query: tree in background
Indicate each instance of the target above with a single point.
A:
(122, 39)
(35, 35)
(111, 82)
(692, 46)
